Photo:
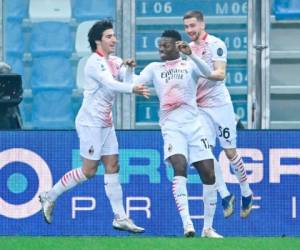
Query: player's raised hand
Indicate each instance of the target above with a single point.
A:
(129, 62)
(141, 89)
(184, 47)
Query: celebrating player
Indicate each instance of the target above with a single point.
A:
(175, 82)
(216, 108)
(94, 125)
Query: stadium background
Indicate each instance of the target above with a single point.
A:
(38, 38)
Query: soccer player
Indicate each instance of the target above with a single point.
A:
(216, 108)
(94, 125)
(175, 82)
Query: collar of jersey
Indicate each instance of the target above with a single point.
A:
(100, 53)
(201, 41)
(205, 36)
(172, 62)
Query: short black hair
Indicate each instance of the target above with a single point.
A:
(172, 34)
(96, 32)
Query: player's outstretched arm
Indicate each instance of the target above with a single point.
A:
(185, 48)
(141, 89)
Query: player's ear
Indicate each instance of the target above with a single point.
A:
(202, 25)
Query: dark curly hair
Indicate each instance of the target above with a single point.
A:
(96, 32)
(172, 34)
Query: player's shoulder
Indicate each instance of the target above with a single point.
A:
(216, 41)
(95, 58)
(95, 61)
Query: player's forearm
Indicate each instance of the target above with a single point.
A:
(117, 86)
(137, 79)
(202, 65)
(217, 75)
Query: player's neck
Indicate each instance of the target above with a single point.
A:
(173, 58)
(102, 53)
(202, 37)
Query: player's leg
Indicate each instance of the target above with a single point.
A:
(90, 152)
(224, 118)
(210, 132)
(179, 187)
(176, 153)
(205, 170)
(238, 168)
(227, 198)
(66, 182)
(114, 193)
(201, 157)
(112, 186)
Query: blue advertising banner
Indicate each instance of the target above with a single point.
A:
(32, 161)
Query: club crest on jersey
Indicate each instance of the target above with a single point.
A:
(220, 52)
(91, 150)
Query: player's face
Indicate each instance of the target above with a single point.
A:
(167, 49)
(108, 41)
(193, 28)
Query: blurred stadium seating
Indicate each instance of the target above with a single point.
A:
(52, 108)
(50, 10)
(51, 38)
(14, 42)
(14, 48)
(42, 49)
(61, 76)
(82, 46)
(93, 9)
(16, 9)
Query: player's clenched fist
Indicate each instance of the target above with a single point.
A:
(141, 89)
(184, 47)
(129, 62)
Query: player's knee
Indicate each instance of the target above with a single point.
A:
(230, 153)
(112, 168)
(179, 165)
(89, 172)
(180, 171)
(209, 178)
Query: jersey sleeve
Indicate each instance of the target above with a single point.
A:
(146, 76)
(103, 76)
(199, 67)
(219, 51)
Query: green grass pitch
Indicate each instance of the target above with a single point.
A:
(146, 243)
